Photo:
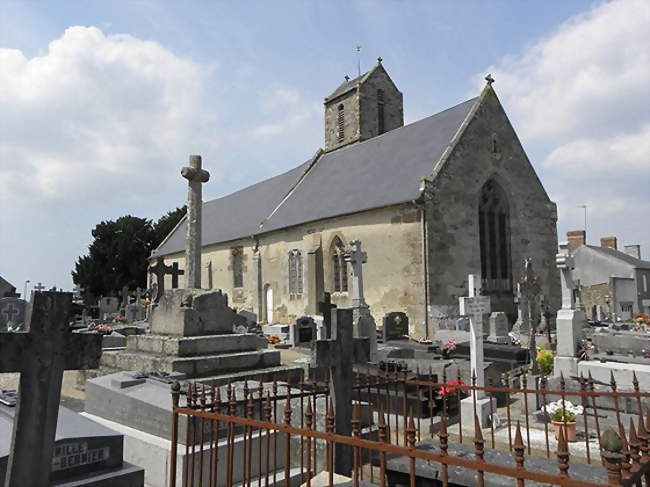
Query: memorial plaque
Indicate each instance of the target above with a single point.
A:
(396, 326)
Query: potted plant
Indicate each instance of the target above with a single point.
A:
(563, 416)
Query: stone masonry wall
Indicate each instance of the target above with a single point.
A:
(393, 105)
(393, 276)
(452, 212)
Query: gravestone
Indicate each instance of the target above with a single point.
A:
(12, 312)
(395, 326)
(364, 323)
(303, 332)
(338, 355)
(570, 321)
(108, 305)
(41, 355)
(529, 294)
(160, 270)
(499, 328)
(85, 453)
(475, 307)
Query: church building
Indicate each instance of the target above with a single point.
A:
(433, 201)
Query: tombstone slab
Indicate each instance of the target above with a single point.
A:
(192, 312)
(498, 328)
(12, 312)
(395, 326)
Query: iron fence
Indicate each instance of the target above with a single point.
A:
(279, 433)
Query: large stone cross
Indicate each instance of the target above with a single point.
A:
(10, 311)
(41, 355)
(195, 177)
(356, 257)
(530, 289)
(475, 307)
(159, 269)
(566, 264)
(338, 355)
(325, 308)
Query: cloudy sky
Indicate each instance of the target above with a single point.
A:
(100, 105)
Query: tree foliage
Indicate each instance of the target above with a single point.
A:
(118, 255)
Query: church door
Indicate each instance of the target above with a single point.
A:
(268, 300)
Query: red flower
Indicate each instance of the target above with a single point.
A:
(451, 386)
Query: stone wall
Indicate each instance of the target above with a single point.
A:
(393, 105)
(393, 276)
(452, 212)
(350, 103)
(596, 295)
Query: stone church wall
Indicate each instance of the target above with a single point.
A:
(393, 276)
(488, 149)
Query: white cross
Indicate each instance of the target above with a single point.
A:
(475, 306)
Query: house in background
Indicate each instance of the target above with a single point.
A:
(612, 284)
(7, 290)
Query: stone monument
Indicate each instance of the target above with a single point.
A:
(498, 328)
(475, 307)
(570, 321)
(364, 323)
(12, 312)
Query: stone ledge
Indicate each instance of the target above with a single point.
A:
(194, 346)
(193, 366)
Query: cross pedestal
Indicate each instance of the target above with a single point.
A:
(41, 355)
(338, 355)
(476, 307)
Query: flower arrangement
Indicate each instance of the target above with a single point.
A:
(642, 319)
(119, 319)
(450, 346)
(563, 411)
(273, 339)
(100, 328)
(514, 339)
(544, 360)
(451, 387)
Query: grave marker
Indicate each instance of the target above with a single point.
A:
(475, 307)
(338, 355)
(195, 177)
(12, 312)
(159, 269)
(41, 355)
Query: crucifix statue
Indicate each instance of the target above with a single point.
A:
(195, 177)
(338, 354)
(41, 355)
(364, 324)
(159, 269)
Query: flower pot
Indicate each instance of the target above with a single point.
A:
(569, 430)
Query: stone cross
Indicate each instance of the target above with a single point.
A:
(338, 355)
(356, 257)
(159, 269)
(39, 287)
(566, 264)
(475, 306)
(41, 355)
(364, 323)
(195, 177)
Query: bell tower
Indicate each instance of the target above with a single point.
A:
(362, 108)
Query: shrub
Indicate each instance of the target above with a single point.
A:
(545, 361)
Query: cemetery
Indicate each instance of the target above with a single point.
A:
(464, 359)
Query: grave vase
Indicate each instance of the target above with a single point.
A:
(569, 430)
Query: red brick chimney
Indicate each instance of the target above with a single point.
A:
(609, 242)
(576, 238)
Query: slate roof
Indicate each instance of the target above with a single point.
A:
(350, 84)
(382, 171)
(617, 254)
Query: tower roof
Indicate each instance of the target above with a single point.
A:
(351, 84)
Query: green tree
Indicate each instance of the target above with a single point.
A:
(166, 224)
(118, 255)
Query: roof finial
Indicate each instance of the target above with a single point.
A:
(347, 78)
(489, 79)
(379, 59)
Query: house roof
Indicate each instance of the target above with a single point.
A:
(382, 171)
(622, 256)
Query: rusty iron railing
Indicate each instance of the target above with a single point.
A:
(244, 437)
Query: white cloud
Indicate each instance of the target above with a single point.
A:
(579, 101)
(94, 111)
(286, 112)
(590, 74)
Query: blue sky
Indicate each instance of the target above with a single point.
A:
(101, 102)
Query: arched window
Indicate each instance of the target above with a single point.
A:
(237, 267)
(381, 127)
(339, 267)
(494, 227)
(295, 272)
(341, 123)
